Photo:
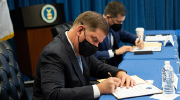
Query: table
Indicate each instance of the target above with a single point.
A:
(167, 52)
(147, 70)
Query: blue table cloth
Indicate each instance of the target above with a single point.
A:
(147, 70)
(167, 52)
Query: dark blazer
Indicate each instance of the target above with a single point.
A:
(59, 77)
(122, 35)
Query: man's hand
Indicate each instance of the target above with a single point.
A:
(125, 79)
(108, 85)
(139, 43)
(123, 49)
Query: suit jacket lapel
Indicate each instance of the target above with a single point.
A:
(73, 59)
(86, 70)
(107, 42)
(116, 37)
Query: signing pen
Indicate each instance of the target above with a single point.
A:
(109, 74)
(139, 39)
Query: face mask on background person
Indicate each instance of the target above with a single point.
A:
(85, 48)
(116, 27)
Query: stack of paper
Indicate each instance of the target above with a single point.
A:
(158, 37)
(149, 46)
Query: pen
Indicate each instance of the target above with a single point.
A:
(139, 39)
(109, 74)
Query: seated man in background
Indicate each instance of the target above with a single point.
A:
(66, 64)
(109, 51)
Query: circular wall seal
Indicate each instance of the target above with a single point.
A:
(49, 13)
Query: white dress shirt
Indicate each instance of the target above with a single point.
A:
(111, 54)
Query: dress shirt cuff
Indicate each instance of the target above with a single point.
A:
(96, 91)
(111, 54)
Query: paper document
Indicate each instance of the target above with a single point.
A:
(159, 37)
(175, 81)
(162, 97)
(134, 77)
(149, 46)
(138, 80)
(142, 88)
(138, 90)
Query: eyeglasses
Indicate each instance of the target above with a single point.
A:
(117, 22)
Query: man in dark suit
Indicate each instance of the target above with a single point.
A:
(109, 51)
(66, 64)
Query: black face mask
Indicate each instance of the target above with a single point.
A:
(116, 27)
(86, 49)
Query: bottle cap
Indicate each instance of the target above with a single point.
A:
(167, 62)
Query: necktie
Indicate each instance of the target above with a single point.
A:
(109, 39)
(80, 62)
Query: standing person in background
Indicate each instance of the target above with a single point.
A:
(109, 51)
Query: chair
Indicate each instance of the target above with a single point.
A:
(11, 83)
(61, 28)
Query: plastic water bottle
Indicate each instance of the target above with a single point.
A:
(168, 79)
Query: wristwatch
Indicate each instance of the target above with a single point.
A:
(114, 52)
